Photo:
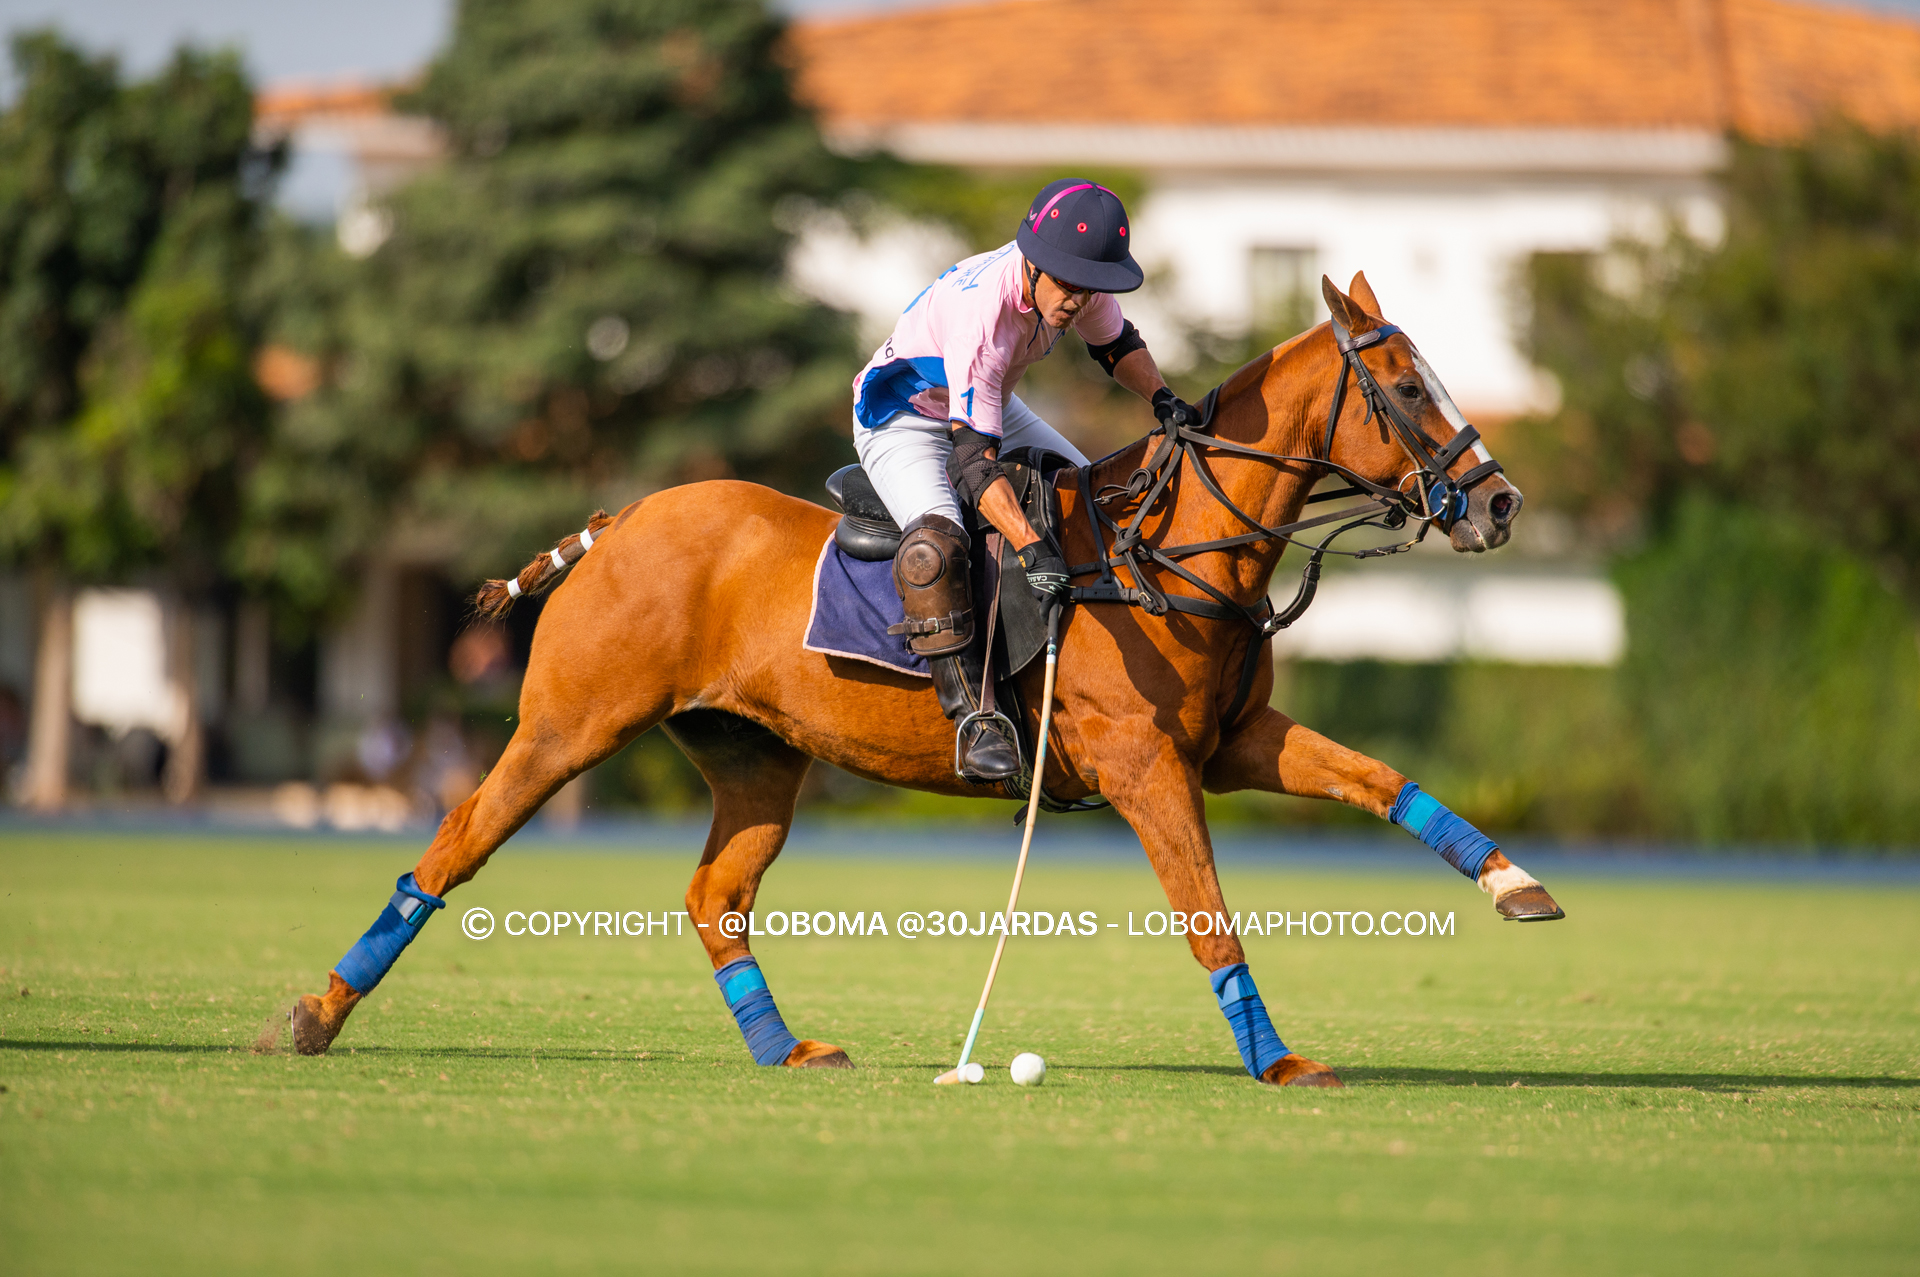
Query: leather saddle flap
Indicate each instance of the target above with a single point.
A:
(1022, 632)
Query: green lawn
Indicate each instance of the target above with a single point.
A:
(1682, 1077)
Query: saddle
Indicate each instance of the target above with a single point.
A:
(866, 531)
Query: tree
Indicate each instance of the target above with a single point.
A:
(1804, 339)
(1742, 420)
(1776, 367)
(586, 299)
(129, 218)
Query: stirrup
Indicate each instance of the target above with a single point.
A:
(1011, 733)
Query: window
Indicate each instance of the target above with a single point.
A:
(1283, 289)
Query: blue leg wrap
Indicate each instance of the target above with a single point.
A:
(1426, 818)
(368, 962)
(1253, 1032)
(747, 995)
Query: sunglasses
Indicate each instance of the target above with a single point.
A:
(1071, 290)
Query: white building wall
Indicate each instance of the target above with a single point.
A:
(1397, 614)
(1441, 241)
(120, 676)
(1442, 254)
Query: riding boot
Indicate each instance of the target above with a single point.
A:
(985, 752)
(930, 572)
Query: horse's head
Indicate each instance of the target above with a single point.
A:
(1406, 445)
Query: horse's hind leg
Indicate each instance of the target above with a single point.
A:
(755, 777)
(536, 763)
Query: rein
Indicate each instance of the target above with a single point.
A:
(1437, 498)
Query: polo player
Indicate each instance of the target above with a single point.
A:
(935, 406)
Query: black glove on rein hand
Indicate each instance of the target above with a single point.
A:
(1046, 573)
(1170, 408)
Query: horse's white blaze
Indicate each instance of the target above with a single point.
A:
(1437, 392)
(1509, 877)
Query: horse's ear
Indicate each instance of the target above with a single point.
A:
(1362, 292)
(1351, 315)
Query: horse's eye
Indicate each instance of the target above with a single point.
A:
(1409, 390)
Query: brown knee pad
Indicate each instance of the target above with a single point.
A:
(930, 572)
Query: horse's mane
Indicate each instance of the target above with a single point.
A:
(1254, 370)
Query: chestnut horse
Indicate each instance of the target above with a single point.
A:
(691, 608)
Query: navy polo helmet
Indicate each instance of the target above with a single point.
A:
(1076, 231)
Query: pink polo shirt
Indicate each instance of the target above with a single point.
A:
(961, 346)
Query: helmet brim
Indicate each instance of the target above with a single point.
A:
(1102, 277)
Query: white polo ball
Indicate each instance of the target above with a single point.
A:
(974, 1072)
(1028, 1069)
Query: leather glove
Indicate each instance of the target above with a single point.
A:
(1046, 573)
(1171, 409)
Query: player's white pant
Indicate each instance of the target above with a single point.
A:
(907, 458)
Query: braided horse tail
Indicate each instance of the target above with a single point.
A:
(495, 599)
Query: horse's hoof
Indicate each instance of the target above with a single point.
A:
(310, 1035)
(817, 1055)
(1298, 1070)
(1529, 904)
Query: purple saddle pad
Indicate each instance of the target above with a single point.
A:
(853, 604)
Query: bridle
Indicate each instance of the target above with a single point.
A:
(1444, 498)
(1436, 498)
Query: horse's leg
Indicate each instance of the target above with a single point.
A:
(755, 777)
(1276, 754)
(535, 764)
(577, 707)
(1161, 799)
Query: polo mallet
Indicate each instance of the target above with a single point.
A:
(963, 1071)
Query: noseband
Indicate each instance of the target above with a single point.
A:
(1443, 498)
(1437, 497)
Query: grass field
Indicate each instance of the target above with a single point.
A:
(1681, 1078)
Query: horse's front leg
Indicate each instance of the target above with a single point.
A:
(1276, 754)
(1161, 799)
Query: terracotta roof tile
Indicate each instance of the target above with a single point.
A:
(1790, 64)
(291, 103)
(1765, 65)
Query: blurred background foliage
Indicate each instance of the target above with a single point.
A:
(131, 218)
(588, 300)
(1739, 433)
(583, 302)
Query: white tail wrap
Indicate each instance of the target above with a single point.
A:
(559, 564)
(586, 540)
(513, 587)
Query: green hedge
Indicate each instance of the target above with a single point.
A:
(1770, 694)
(1774, 685)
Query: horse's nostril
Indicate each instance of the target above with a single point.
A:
(1502, 508)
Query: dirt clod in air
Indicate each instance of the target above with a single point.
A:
(268, 1041)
